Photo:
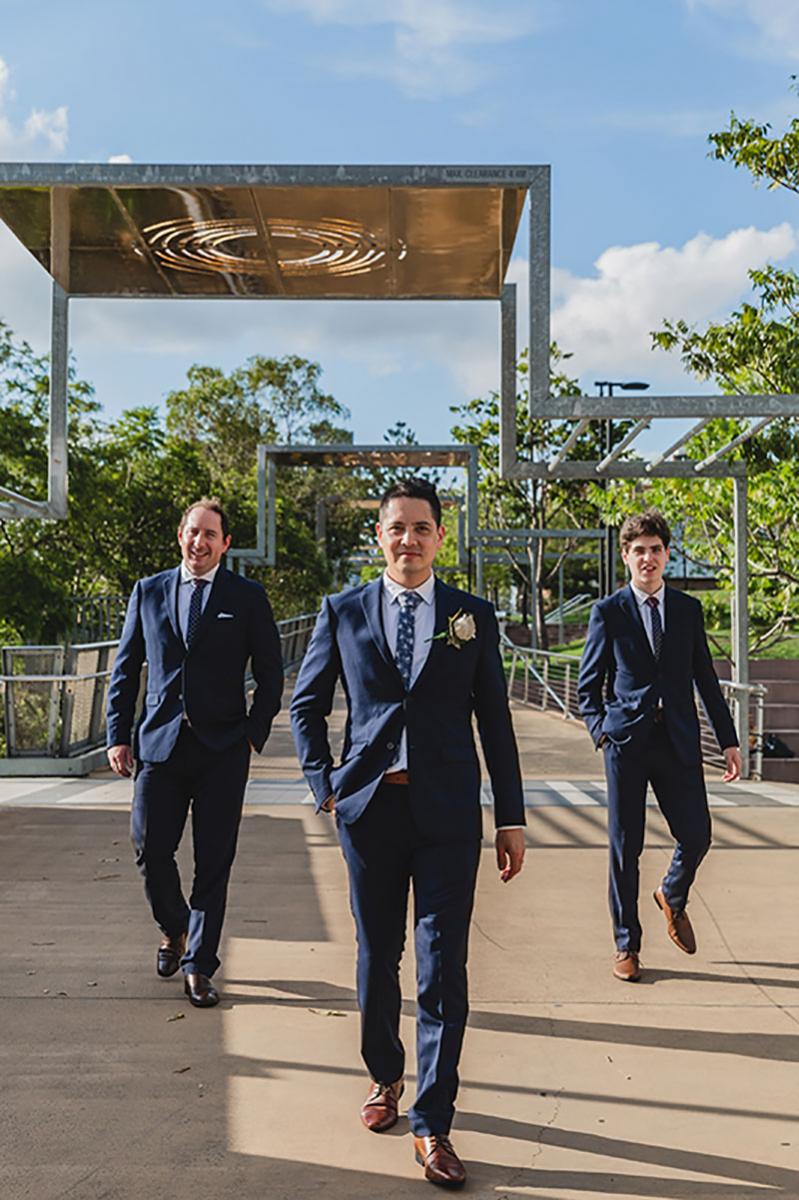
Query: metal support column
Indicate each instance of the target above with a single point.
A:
(57, 482)
(539, 294)
(740, 614)
(479, 586)
(507, 420)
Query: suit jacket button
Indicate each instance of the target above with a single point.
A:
(389, 745)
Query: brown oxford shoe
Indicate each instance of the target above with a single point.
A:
(678, 924)
(200, 991)
(436, 1154)
(170, 952)
(380, 1109)
(627, 966)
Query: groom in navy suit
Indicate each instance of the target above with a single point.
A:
(196, 626)
(645, 652)
(415, 659)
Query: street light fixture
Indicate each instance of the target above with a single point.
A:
(609, 541)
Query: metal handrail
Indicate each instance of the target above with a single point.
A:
(548, 682)
(71, 705)
(548, 676)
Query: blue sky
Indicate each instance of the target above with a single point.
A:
(618, 95)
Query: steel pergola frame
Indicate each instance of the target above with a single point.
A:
(63, 179)
(270, 456)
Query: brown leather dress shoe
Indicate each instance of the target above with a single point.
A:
(436, 1154)
(627, 966)
(380, 1108)
(677, 923)
(170, 952)
(200, 991)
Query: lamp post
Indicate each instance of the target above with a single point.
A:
(609, 541)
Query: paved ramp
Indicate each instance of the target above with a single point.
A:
(573, 1085)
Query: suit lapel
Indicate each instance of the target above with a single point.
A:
(443, 606)
(171, 584)
(372, 604)
(633, 609)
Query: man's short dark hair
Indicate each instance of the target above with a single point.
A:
(416, 489)
(213, 504)
(650, 523)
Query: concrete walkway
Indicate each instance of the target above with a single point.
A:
(684, 1086)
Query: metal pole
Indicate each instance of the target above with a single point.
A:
(480, 581)
(58, 483)
(507, 421)
(560, 603)
(534, 598)
(740, 614)
(539, 291)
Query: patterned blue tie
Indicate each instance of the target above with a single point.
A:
(657, 627)
(195, 609)
(403, 655)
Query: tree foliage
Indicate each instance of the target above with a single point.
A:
(130, 479)
(754, 351)
(526, 503)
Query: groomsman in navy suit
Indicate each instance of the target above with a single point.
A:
(415, 659)
(645, 653)
(196, 626)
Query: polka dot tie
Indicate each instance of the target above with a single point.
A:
(403, 655)
(195, 609)
(657, 627)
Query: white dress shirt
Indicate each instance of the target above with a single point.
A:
(185, 593)
(424, 626)
(646, 609)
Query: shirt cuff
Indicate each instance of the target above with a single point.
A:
(501, 827)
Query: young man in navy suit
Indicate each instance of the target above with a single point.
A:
(645, 652)
(415, 658)
(196, 627)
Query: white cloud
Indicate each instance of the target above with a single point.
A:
(120, 158)
(437, 46)
(42, 133)
(422, 349)
(775, 24)
(606, 319)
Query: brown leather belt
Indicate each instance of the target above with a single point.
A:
(396, 777)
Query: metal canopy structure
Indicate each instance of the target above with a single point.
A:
(259, 232)
(107, 230)
(348, 454)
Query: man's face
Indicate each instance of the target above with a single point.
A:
(201, 541)
(646, 558)
(409, 538)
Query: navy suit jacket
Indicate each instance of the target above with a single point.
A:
(349, 643)
(621, 683)
(207, 681)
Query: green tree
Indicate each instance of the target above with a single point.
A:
(526, 503)
(756, 350)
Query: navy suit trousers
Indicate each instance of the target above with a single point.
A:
(212, 783)
(386, 855)
(680, 793)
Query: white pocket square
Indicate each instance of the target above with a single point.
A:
(224, 616)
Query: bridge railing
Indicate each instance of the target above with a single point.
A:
(547, 680)
(54, 697)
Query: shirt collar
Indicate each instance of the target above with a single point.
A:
(187, 577)
(642, 597)
(426, 591)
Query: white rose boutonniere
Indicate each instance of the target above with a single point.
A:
(461, 628)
